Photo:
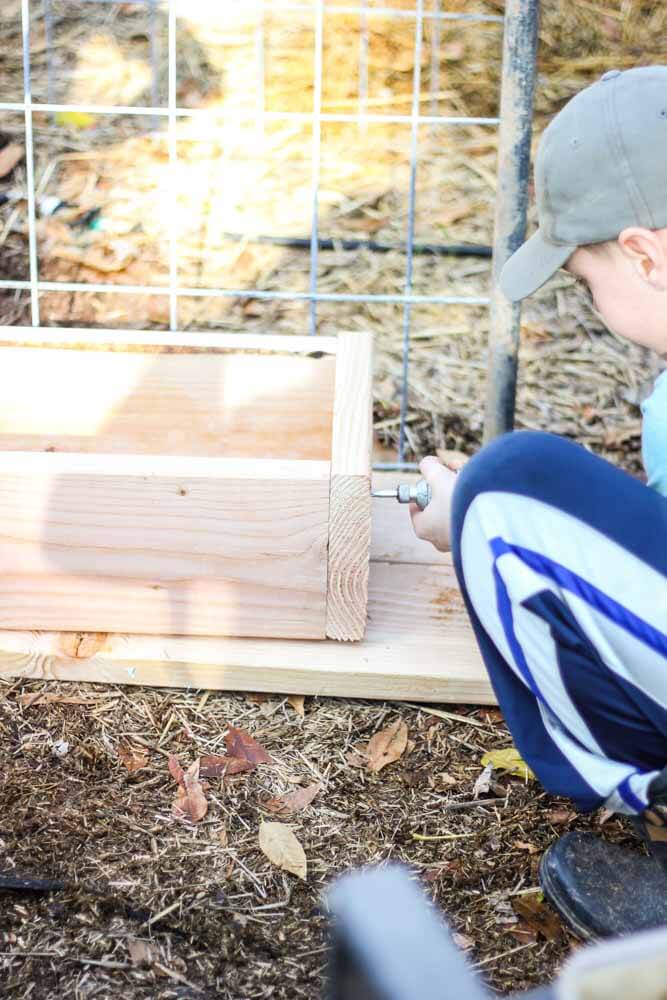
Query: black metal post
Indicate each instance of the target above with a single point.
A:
(516, 113)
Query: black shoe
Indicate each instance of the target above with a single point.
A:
(652, 823)
(601, 889)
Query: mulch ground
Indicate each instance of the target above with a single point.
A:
(159, 906)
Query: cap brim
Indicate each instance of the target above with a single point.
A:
(531, 265)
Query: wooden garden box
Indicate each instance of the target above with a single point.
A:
(190, 485)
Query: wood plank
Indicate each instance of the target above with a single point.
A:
(237, 405)
(419, 646)
(239, 547)
(84, 338)
(350, 507)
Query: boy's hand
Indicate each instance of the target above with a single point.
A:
(432, 524)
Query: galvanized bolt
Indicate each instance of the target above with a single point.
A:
(420, 493)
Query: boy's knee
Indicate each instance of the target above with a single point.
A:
(515, 463)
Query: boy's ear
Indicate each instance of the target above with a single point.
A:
(647, 249)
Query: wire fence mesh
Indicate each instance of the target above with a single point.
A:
(422, 121)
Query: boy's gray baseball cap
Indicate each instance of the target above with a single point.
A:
(601, 166)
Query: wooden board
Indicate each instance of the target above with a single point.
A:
(232, 404)
(350, 508)
(239, 547)
(419, 645)
(159, 342)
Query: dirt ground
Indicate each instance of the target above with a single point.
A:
(155, 906)
(217, 918)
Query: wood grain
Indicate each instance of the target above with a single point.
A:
(350, 507)
(234, 404)
(163, 545)
(419, 646)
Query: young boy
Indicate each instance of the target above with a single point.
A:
(561, 557)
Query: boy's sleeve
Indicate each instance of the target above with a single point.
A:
(654, 436)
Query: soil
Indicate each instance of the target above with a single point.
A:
(218, 919)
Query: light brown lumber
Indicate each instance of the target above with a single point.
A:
(350, 507)
(235, 404)
(418, 647)
(80, 338)
(163, 545)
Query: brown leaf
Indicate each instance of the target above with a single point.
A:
(9, 157)
(294, 801)
(387, 746)
(538, 916)
(297, 703)
(223, 837)
(240, 744)
(133, 759)
(523, 933)
(219, 765)
(190, 802)
(356, 759)
(279, 844)
(175, 769)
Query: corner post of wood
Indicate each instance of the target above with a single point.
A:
(350, 498)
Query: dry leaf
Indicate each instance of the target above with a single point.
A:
(175, 769)
(10, 155)
(294, 801)
(133, 759)
(279, 844)
(355, 759)
(190, 802)
(509, 760)
(297, 703)
(142, 952)
(483, 784)
(218, 765)
(240, 744)
(387, 746)
(523, 933)
(223, 837)
(538, 916)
